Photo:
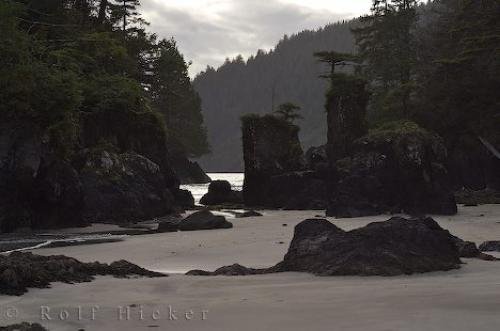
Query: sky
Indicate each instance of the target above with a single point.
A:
(209, 31)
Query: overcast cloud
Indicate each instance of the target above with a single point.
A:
(208, 31)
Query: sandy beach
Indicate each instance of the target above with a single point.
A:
(465, 299)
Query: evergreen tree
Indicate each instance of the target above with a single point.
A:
(386, 44)
(173, 95)
(289, 112)
(459, 70)
(125, 13)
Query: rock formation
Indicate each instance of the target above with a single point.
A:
(189, 172)
(202, 220)
(20, 271)
(275, 170)
(346, 103)
(395, 168)
(394, 247)
(123, 188)
(37, 189)
(316, 156)
(219, 193)
(111, 166)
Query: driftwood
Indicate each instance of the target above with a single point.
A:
(490, 147)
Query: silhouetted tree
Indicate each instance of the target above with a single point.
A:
(289, 112)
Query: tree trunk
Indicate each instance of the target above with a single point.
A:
(102, 11)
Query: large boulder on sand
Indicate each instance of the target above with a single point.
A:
(394, 247)
(202, 220)
(220, 192)
(395, 168)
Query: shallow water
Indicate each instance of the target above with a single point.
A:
(199, 190)
(18, 244)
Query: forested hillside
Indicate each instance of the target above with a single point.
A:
(288, 73)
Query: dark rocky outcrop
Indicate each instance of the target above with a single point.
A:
(20, 271)
(471, 197)
(184, 198)
(220, 192)
(346, 103)
(271, 147)
(394, 247)
(316, 156)
(202, 220)
(129, 131)
(299, 190)
(188, 172)
(110, 166)
(123, 188)
(275, 169)
(141, 134)
(395, 168)
(466, 249)
(37, 189)
(490, 246)
(23, 327)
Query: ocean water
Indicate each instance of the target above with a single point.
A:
(199, 190)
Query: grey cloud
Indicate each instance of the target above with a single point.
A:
(247, 26)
